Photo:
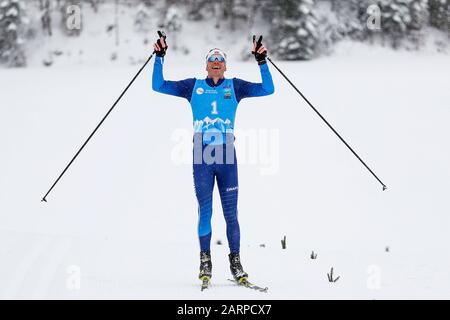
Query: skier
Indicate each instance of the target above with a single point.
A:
(214, 101)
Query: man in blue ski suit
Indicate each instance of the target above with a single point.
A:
(214, 101)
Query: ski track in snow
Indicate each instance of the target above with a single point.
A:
(125, 213)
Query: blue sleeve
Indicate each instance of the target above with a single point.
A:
(182, 88)
(245, 89)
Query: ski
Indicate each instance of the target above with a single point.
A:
(206, 281)
(247, 284)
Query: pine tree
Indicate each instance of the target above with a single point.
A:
(337, 20)
(240, 12)
(400, 19)
(142, 19)
(240, 9)
(269, 9)
(347, 24)
(196, 9)
(172, 24)
(294, 34)
(440, 14)
(12, 28)
(46, 19)
(94, 4)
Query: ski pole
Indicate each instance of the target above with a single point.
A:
(329, 125)
(161, 34)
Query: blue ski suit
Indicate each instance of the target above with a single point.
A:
(214, 157)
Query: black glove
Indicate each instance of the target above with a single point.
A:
(259, 50)
(161, 45)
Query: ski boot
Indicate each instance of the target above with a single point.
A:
(205, 269)
(236, 268)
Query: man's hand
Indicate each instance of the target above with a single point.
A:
(161, 45)
(259, 50)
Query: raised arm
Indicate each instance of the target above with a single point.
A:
(181, 88)
(245, 89)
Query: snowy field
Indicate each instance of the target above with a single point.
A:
(122, 221)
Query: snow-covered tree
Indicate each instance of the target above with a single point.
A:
(46, 18)
(240, 9)
(440, 14)
(142, 19)
(196, 9)
(12, 25)
(345, 22)
(240, 12)
(337, 20)
(94, 4)
(269, 9)
(172, 24)
(294, 29)
(399, 18)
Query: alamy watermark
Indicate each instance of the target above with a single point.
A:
(373, 22)
(73, 17)
(257, 147)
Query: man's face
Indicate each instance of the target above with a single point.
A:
(216, 69)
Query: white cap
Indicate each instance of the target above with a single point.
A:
(216, 51)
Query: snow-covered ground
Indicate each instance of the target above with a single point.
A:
(122, 221)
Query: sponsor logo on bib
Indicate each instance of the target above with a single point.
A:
(200, 90)
(227, 93)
